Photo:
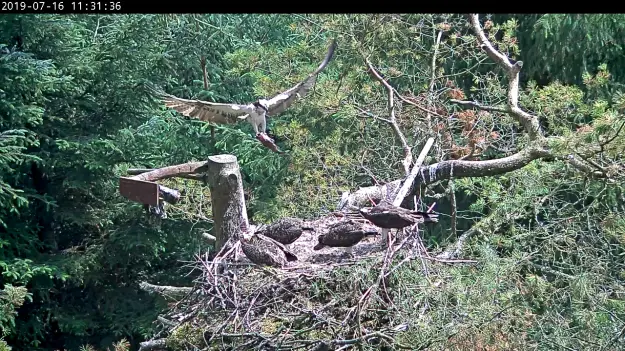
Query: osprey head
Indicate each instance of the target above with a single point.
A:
(248, 233)
(246, 236)
(320, 244)
(262, 103)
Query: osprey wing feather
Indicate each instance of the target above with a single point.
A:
(282, 101)
(207, 111)
(255, 113)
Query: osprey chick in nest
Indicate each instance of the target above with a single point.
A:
(346, 233)
(386, 215)
(256, 112)
(262, 250)
(285, 230)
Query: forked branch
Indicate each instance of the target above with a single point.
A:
(443, 171)
(392, 120)
(528, 121)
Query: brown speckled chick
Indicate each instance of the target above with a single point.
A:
(262, 250)
(346, 233)
(386, 215)
(285, 230)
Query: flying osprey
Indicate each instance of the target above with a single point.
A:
(256, 112)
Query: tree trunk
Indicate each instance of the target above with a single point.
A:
(226, 187)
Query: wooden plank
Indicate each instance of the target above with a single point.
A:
(139, 190)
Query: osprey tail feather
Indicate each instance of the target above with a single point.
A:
(428, 217)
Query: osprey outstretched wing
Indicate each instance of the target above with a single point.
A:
(282, 101)
(255, 113)
(207, 111)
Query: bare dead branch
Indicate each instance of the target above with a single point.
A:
(169, 291)
(391, 107)
(456, 248)
(553, 271)
(480, 106)
(166, 321)
(363, 338)
(527, 120)
(454, 205)
(442, 260)
(490, 223)
(433, 78)
(581, 166)
(594, 164)
(618, 131)
(209, 238)
(442, 171)
(407, 184)
(371, 115)
(153, 345)
(419, 107)
(137, 171)
(172, 171)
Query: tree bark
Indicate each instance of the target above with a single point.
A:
(226, 187)
(153, 345)
(442, 170)
(169, 171)
(170, 291)
(192, 176)
(169, 195)
(405, 187)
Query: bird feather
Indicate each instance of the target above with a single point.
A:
(282, 101)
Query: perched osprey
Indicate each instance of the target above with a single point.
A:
(285, 230)
(385, 215)
(256, 112)
(262, 250)
(346, 233)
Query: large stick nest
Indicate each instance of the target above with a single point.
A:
(324, 300)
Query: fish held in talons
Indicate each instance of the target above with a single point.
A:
(268, 142)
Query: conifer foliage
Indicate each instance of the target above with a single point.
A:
(535, 197)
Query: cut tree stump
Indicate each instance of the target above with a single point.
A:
(228, 201)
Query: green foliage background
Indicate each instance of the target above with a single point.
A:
(75, 115)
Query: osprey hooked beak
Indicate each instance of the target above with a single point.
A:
(319, 245)
(262, 103)
(246, 236)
